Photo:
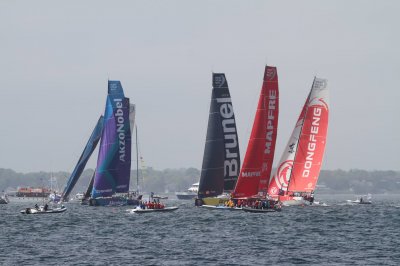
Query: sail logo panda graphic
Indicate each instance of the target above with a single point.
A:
(219, 81)
(113, 87)
(320, 84)
(270, 73)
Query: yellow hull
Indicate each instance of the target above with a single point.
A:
(214, 201)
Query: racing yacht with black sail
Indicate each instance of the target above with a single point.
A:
(221, 160)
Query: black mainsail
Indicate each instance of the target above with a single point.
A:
(221, 160)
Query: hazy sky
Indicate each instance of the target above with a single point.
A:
(56, 57)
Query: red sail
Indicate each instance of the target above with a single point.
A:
(256, 169)
(311, 146)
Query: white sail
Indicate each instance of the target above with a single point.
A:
(132, 113)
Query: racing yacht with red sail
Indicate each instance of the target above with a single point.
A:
(257, 165)
(297, 174)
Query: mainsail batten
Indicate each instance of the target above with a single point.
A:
(221, 160)
(257, 165)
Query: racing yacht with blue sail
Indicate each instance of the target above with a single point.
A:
(112, 176)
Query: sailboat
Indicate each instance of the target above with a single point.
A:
(83, 159)
(112, 175)
(221, 160)
(4, 199)
(54, 196)
(257, 165)
(297, 174)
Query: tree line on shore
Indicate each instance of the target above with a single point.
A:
(171, 180)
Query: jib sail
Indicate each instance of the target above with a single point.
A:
(87, 152)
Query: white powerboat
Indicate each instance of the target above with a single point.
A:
(190, 194)
(43, 210)
(140, 210)
(366, 199)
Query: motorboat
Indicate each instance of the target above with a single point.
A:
(43, 210)
(190, 194)
(366, 199)
(146, 210)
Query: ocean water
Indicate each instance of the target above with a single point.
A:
(335, 235)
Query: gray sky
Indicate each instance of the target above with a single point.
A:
(56, 57)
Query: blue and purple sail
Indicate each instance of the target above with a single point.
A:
(114, 160)
(87, 152)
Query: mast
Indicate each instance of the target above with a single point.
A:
(137, 161)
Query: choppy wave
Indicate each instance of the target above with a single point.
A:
(333, 235)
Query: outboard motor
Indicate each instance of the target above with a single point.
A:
(198, 202)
